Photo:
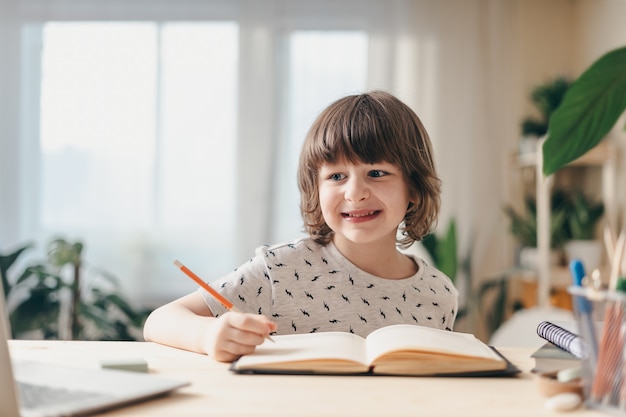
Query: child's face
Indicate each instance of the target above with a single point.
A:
(363, 203)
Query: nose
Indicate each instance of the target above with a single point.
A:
(356, 190)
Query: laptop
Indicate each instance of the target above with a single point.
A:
(29, 388)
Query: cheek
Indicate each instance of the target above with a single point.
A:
(325, 198)
(404, 201)
(329, 201)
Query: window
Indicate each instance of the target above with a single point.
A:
(138, 139)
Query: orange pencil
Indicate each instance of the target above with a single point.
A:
(219, 297)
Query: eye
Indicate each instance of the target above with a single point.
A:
(377, 173)
(336, 177)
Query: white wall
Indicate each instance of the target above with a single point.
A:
(601, 27)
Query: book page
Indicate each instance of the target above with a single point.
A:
(291, 351)
(407, 337)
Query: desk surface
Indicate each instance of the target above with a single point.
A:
(215, 391)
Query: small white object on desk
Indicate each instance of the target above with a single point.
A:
(566, 401)
(569, 374)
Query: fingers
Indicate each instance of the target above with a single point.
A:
(251, 323)
(235, 334)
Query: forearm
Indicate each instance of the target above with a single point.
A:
(175, 325)
(188, 323)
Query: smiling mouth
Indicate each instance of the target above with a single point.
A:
(361, 214)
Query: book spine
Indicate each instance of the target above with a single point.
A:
(562, 338)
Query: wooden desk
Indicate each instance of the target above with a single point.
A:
(215, 391)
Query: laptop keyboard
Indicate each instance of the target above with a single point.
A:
(34, 396)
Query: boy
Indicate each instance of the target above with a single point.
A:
(366, 173)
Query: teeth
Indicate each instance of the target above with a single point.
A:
(361, 214)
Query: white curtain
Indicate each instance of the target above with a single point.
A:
(447, 59)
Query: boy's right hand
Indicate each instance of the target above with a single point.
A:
(235, 334)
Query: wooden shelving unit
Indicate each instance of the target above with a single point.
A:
(602, 156)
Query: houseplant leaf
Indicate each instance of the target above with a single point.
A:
(6, 261)
(40, 291)
(448, 252)
(40, 311)
(443, 250)
(589, 110)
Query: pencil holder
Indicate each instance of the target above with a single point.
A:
(601, 319)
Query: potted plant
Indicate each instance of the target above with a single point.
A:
(62, 298)
(589, 110)
(524, 228)
(443, 250)
(584, 214)
(546, 97)
(484, 307)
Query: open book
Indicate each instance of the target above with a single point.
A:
(401, 349)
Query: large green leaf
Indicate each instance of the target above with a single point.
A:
(588, 111)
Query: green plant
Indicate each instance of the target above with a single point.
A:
(487, 302)
(547, 98)
(588, 111)
(531, 127)
(584, 214)
(95, 308)
(524, 226)
(443, 250)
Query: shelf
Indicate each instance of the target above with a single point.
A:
(560, 276)
(603, 156)
(595, 157)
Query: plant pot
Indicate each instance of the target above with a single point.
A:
(528, 145)
(588, 251)
(529, 257)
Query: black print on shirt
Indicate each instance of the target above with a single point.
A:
(304, 282)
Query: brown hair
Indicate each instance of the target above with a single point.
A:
(370, 128)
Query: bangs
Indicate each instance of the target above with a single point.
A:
(357, 130)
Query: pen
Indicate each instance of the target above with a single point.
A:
(585, 311)
(219, 297)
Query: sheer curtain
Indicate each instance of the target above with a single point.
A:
(156, 130)
(137, 144)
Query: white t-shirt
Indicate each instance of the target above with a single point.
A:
(307, 287)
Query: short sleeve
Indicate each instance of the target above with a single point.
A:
(247, 287)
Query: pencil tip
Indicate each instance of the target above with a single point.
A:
(177, 263)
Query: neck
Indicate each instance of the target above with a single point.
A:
(380, 259)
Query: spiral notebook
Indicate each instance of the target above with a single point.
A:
(562, 338)
(556, 354)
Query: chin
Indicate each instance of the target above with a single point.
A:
(365, 239)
